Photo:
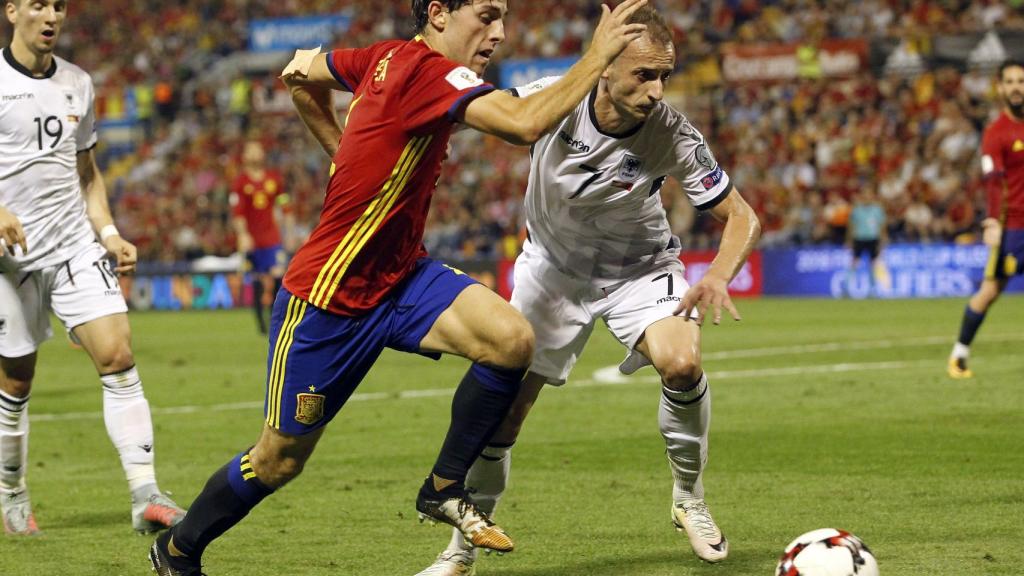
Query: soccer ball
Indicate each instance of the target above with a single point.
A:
(827, 552)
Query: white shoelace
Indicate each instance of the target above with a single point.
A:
(698, 515)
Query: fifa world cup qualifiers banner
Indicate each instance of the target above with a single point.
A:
(285, 34)
(910, 271)
(827, 58)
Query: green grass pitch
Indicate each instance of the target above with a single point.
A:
(826, 414)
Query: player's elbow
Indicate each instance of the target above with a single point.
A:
(529, 132)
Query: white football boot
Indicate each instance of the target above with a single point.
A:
(691, 515)
(17, 513)
(452, 563)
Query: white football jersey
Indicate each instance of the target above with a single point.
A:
(592, 204)
(44, 123)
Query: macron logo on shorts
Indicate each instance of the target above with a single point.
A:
(3, 325)
(463, 78)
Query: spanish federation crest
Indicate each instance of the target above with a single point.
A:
(630, 167)
(309, 408)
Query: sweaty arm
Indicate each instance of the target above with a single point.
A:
(97, 208)
(523, 121)
(311, 83)
(742, 230)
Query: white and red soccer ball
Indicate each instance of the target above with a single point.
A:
(827, 552)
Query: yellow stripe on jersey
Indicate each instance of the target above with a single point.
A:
(276, 379)
(330, 275)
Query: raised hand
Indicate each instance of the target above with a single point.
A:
(612, 34)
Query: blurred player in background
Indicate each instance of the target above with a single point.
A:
(53, 207)
(363, 281)
(866, 235)
(600, 247)
(1002, 166)
(258, 202)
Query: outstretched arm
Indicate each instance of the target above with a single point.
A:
(742, 230)
(524, 120)
(98, 210)
(311, 83)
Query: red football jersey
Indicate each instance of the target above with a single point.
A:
(1002, 164)
(254, 199)
(406, 99)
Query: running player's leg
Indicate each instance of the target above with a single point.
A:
(15, 383)
(640, 315)
(87, 298)
(24, 325)
(546, 298)
(481, 326)
(315, 362)
(1002, 264)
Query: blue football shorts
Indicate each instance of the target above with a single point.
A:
(1005, 260)
(317, 358)
(264, 259)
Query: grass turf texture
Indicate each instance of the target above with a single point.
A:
(851, 423)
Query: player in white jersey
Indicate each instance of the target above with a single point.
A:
(53, 206)
(599, 246)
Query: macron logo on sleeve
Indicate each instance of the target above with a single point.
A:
(463, 78)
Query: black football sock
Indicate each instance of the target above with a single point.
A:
(970, 324)
(257, 303)
(228, 496)
(481, 403)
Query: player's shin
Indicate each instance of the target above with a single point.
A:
(968, 329)
(486, 480)
(228, 497)
(13, 441)
(130, 428)
(481, 403)
(684, 417)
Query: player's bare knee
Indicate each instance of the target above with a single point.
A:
(115, 359)
(514, 345)
(680, 373)
(16, 387)
(276, 470)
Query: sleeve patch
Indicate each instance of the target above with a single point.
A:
(987, 165)
(463, 78)
(712, 179)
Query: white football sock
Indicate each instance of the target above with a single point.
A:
(684, 418)
(488, 477)
(13, 442)
(961, 350)
(129, 425)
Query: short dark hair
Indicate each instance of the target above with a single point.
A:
(419, 11)
(1008, 64)
(657, 27)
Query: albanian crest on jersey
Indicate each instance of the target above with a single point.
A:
(630, 167)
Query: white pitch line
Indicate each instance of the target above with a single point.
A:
(844, 346)
(607, 376)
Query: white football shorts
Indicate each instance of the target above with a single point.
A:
(80, 290)
(563, 310)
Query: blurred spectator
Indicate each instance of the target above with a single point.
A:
(798, 150)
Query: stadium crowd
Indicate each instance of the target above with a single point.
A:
(798, 150)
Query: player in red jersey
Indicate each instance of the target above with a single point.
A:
(257, 194)
(362, 282)
(1002, 164)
